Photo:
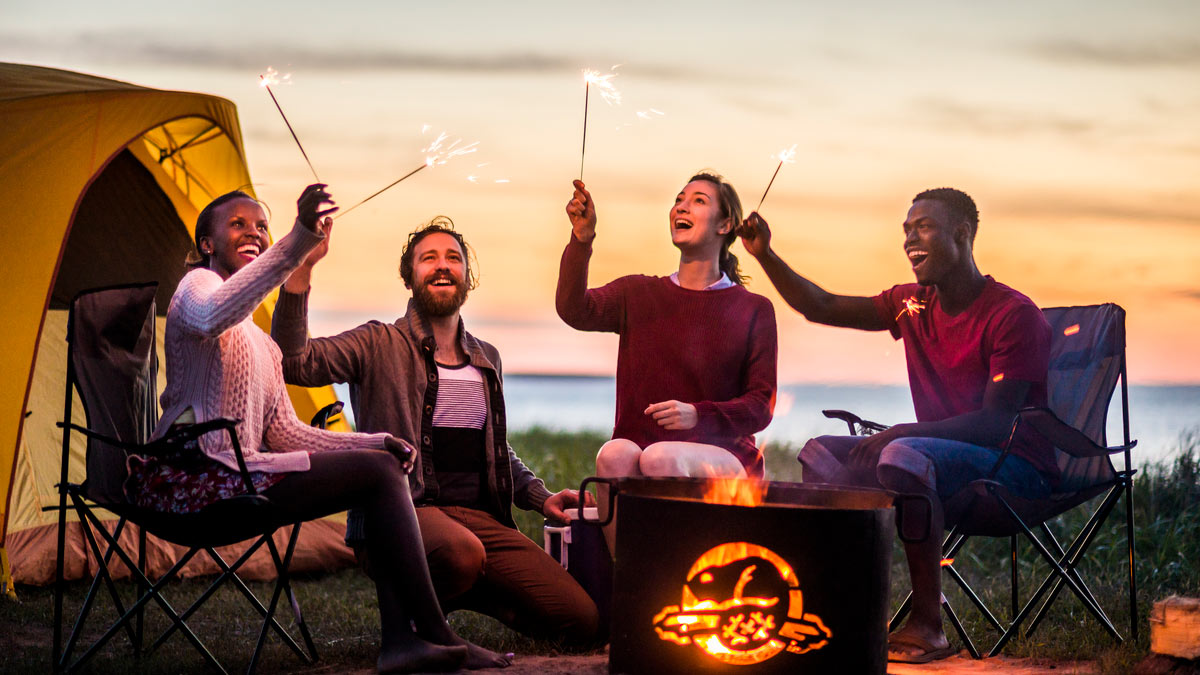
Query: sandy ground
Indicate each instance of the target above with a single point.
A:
(962, 663)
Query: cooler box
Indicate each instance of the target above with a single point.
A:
(582, 551)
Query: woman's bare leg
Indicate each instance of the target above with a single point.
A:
(617, 458)
(374, 481)
(694, 460)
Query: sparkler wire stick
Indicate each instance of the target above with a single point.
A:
(785, 157)
(772, 182)
(587, 87)
(390, 186)
(289, 126)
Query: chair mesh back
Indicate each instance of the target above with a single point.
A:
(112, 364)
(1087, 351)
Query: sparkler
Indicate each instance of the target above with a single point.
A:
(266, 80)
(437, 153)
(785, 157)
(606, 90)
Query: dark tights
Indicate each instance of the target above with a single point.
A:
(373, 480)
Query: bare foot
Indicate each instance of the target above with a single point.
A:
(915, 644)
(478, 657)
(420, 656)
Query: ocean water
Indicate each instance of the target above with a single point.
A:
(1158, 414)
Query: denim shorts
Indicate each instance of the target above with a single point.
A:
(942, 465)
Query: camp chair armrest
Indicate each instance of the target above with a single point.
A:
(190, 432)
(1064, 437)
(98, 436)
(864, 427)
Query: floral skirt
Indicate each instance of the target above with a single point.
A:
(187, 482)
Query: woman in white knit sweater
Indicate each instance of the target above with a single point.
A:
(220, 364)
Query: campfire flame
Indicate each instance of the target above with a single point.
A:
(735, 491)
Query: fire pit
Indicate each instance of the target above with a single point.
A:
(781, 578)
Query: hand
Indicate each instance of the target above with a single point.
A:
(865, 455)
(402, 450)
(556, 505)
(314, 256)
(674, 415)
(308, 206)
(756, 235)
(582, 213)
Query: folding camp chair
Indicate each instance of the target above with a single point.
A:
(112, 366)
(1087, 359)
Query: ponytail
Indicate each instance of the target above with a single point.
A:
(729, 264)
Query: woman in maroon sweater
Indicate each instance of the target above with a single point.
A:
(697, 356)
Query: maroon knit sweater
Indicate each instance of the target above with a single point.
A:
(713, 349)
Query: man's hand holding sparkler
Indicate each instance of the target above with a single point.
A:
(756, 235)
(582, 213)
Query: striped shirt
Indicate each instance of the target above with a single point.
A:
(458, 420)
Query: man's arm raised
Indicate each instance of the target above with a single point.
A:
(815, 303)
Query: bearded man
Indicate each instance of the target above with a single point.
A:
(425, 378)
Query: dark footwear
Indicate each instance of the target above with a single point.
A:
(907, 649)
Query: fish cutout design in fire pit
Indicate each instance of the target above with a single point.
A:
(742, 604)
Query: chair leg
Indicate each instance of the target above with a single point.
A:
(229, 575)
(153, 593)
(1133, 611)
(958, 627)
(102, 578)
(1014, 579)
(1070, 559)
(141, 587)
(974, 598)
(281, 570)
(1058, 569)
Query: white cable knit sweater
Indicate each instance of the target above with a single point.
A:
(220, 364)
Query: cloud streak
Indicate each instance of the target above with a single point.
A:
(991, 121)
(139, 48)
(1168, 53)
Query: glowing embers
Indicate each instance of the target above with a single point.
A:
(742, 605)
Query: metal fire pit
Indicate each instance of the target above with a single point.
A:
(798, 584)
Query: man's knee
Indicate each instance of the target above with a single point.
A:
(455, 564)
(617, 457)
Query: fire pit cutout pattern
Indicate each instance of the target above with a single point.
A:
(742, 604)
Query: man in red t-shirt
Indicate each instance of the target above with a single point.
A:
(977, 352)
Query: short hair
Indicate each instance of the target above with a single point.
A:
(205, 222)
(961, 206)
(444, 225)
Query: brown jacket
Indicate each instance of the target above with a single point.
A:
(393, 388)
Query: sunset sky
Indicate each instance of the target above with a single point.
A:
(1075, 125)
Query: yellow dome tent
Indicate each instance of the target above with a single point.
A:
(102, 182)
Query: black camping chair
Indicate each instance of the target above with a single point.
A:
(112, 365)
(1087, 359)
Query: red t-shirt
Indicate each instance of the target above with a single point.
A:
(951, 359)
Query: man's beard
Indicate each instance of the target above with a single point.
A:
(434, 305)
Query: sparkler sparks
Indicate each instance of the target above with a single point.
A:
(437, 153)
(607, 91)
(268, 78)
(787, 156)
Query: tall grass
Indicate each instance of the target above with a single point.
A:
(341, 607)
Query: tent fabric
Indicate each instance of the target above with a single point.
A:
(92, 165)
